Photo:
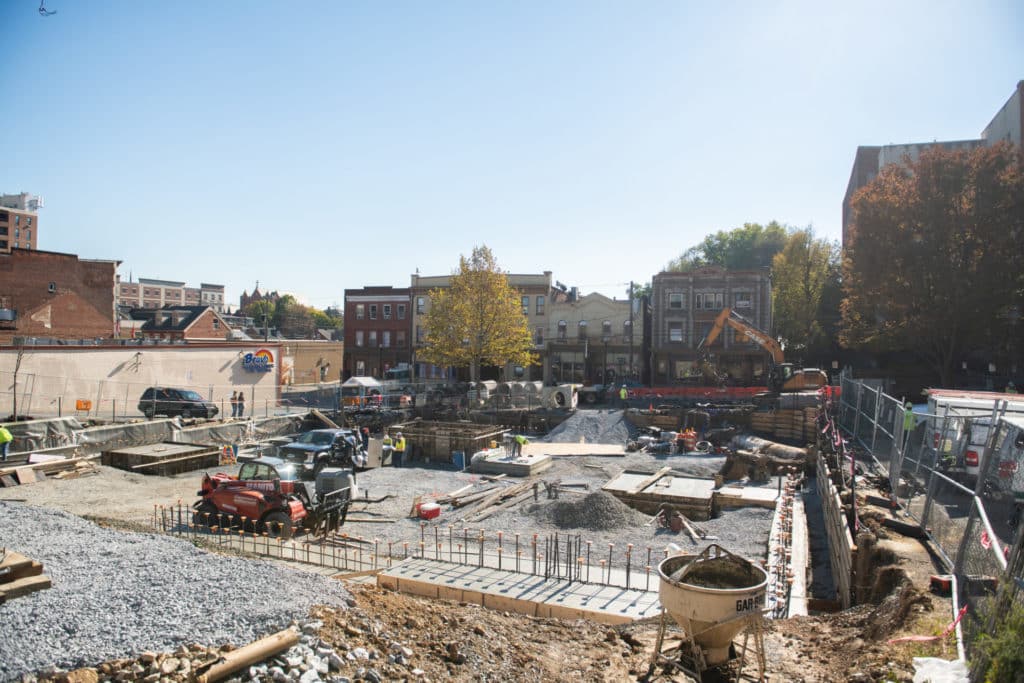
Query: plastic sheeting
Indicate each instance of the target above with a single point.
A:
(39, 435)
(933, 670)
(66, 432)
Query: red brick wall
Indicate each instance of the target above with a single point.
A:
(204, 327)
(81, 307)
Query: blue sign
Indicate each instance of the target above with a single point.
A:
(261, 361)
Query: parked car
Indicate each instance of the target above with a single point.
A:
(173, 402)
(316, 449)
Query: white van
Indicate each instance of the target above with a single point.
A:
(958, 404)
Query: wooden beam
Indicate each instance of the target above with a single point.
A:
(19, 587)
(649, 480)
(323, 418)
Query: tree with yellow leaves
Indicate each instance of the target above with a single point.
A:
(477, 319)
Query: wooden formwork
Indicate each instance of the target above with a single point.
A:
(163, 458)
(841, 548)
(436, 441)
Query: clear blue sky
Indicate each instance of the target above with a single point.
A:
(319, 146)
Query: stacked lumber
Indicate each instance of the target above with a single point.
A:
(67, 468)
(20, 575)
(495, 501)
(797, 424)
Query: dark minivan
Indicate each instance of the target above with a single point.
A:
(171, 402)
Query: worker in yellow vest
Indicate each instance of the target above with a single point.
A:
(623, 394)
(5, 441)
(399, 453)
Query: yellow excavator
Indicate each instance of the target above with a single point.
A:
(783, 377)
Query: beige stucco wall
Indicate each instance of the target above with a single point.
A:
(114, 378)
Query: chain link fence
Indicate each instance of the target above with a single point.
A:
(959, 474)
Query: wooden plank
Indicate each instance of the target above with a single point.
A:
(31, 569)
(649, 480)
(323, 418)
(13, 561)
(8, 480)
(27, 476)
(369, 520)
(29, 584)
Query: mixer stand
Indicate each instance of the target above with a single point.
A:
(688, 656)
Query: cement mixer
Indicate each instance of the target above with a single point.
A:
(712, 596)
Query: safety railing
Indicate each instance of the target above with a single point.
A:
(972, 523)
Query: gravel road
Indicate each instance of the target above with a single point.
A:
(117, 594)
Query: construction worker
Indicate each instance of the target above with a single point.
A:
(387, 450)
(518, 441)
(623, 394)
(909, 422)
(5, 441)
(399, 452)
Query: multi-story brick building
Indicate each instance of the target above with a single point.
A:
(684, 307)
(49, 294)
(18, 229)
(593, 339)
(378, 330)
(534, 291)
(150, 293)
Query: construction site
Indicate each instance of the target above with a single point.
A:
(808, 539)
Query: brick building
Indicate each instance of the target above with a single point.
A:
(534, 291)
(683, 309)
(593, 340)
(378, 330)
(18, 229)
(150, 293)
(180, 323)
(49, 294)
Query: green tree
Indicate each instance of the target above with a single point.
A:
(801, 275)
(750, 247)
(477, 319)
(262, 314)
(934, 259)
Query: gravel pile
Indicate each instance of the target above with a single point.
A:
(116, 594)
(593, 426)
(595, 511)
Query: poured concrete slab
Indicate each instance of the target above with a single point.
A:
(746, 496)
(497, 461)
(647, 492)
(522, 593)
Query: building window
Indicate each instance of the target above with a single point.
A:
(419, 334)
(581, 329)
(675, 301)
(28, 233)
(420, 305)
(386, 339)
(606, 329)
(675, 332)
(17, 221)
(400, 338)
(216, 324)
(387, 311)
(562, 330)
(360, 311)
(540, 305)
(719, 300)
(538, 335)
(372, 338)
(359, 337)
(17, 233)
(525, 303)
(698, 301)
(742, 300)
(373, 311)
(401, 311)
(360, 368)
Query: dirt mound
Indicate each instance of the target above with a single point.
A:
(595, 511)
(593, 426)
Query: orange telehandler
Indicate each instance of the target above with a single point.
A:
(783, 377)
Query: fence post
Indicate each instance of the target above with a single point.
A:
(856, 412)
(874, 423)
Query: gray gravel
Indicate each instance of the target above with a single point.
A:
(598, 510)
(593, 426)
(116, 594)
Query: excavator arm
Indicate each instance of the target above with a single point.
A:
(740, 324)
